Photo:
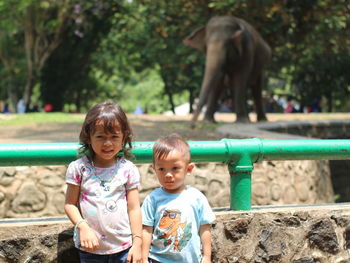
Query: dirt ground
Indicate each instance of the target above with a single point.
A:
(145, 127)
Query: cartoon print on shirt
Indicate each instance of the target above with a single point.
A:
(172, 231)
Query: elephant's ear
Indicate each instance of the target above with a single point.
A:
(196, 39)
(237, 41)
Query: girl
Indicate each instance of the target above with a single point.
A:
(102, 198)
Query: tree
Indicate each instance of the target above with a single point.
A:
(42, 24)
(150, 35)
(66, 78)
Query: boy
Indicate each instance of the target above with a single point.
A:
(176, 218)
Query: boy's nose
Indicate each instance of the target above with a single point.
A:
(168, 174)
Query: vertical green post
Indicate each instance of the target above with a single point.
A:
(240, 184)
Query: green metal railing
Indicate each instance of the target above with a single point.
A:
(238, 154)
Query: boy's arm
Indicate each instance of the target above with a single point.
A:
(88, 239)
(134, 212)
(205, 233)
(146, 242)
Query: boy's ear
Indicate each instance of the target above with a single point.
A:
(190, 167)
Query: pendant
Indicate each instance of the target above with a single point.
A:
(105, 186)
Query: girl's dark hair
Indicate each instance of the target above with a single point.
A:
(168, 143)
(108, 113)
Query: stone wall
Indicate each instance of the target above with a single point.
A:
(295, 234)
(39, 191)
(286, 130)
(326, 129)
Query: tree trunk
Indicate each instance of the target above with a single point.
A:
(329, 102)
(39, 43)
(28, 88)
(170, 97)
(191, 100)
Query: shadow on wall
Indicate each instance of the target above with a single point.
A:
(66, 252)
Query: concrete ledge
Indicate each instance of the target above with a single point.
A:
(318, 233)
(281, 130)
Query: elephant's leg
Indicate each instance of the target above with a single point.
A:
(209, 113)
(240, 98)
(257, 96)
(212, 102)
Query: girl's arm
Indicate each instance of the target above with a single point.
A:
(146, 242)
(205, 233)
(88, 239)
(134, 212)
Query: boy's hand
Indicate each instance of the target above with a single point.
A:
(88, 239)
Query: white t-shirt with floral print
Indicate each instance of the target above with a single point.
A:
(103, 201)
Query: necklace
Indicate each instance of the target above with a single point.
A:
(103, 182)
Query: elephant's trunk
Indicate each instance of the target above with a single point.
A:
(215, 58)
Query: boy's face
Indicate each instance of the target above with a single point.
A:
(171, 171)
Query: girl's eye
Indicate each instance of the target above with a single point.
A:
(161, 169)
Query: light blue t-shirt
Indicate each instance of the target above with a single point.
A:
(176, 219)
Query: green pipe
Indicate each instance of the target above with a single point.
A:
(331, 149)
(239, 154)
(225, 150)
(37, 154)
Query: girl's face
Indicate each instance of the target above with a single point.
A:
(106, 145)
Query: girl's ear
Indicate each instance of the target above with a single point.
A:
(190, 167)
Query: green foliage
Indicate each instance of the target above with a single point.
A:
(66, 76)
(132, 51)
(145, 90)
(149, 35)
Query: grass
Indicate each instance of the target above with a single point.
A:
(40, 117)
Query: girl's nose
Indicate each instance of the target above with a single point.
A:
(107, 142)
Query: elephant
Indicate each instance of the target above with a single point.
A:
(236, 56)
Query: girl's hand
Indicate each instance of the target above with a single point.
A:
(88, 238)
(206, 260)
(134, 255)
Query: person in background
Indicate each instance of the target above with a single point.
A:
(21, 107)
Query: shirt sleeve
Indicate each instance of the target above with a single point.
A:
(133, 180)
(207, 215)
(73, 174)
(148, 212)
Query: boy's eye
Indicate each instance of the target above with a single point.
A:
(161, 169)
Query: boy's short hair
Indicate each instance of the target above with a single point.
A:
(166, 144)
